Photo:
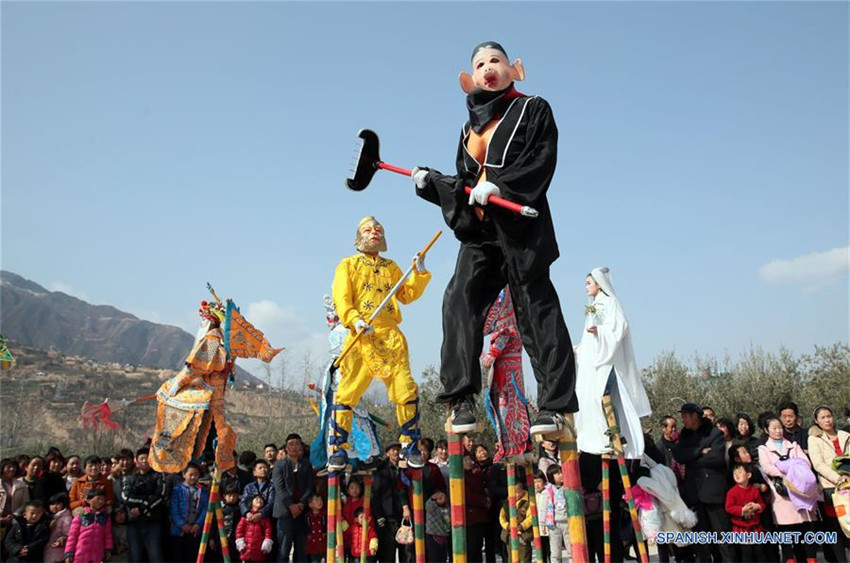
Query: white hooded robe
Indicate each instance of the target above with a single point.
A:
(609, 352)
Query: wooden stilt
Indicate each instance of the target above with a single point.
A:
(418, 516)
(222, 533)
(537, 546)
(512, 513)
(340, 539)
(606, 507)
(333, 510)
(573, 491)
(617, 447)
(214, 509)
(367, 515)
(456, 495)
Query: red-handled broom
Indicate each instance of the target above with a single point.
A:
(369, 161)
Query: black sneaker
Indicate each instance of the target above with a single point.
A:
(413, 457)
(462, 416)
(547, 423)
(338, 460)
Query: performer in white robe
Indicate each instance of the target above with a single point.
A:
(606, 354)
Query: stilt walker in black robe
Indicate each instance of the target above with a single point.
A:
(507, 148)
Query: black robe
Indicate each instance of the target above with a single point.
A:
(505, 248)
(520, 160)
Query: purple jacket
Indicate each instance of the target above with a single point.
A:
(801, 483)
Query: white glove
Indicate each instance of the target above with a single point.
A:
(482, 192)
(240, 544)
(267, 546)
(420, 177)
(419, 264)
(367, 328)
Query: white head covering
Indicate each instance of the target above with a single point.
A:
(603, 280)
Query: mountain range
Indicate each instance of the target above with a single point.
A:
(53, 320)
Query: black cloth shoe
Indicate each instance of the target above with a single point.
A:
(338, 461)
(462, 416)
(413, 457)
(547, 423)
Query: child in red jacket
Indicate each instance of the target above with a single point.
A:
(353, 536)
(744, 506)
(317, 529)
(353, 499)
(254, 539)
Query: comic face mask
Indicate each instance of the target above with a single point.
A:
(370, 236)
(491, 70)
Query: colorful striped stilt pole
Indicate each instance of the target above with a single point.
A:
(333, 510)
(222, 534)
(573, 492)
(606, 507)
(418, 516)
(456, 497)
(214, 509)
(367, 515)
(514, 528)
(205, 534)
(627, 485)
(617, 447)
(340, 540)
(535, 518)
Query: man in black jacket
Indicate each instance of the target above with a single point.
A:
(292, 479)
(143, 492)
(667, 441)
(387, 507)
(701, 448)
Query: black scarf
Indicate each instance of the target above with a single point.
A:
(484, 105)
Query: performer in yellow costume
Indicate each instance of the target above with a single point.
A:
(361, 283)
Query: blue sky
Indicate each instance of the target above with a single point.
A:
(150, 147)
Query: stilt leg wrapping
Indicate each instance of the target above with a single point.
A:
(537, 552)
(458, 502)
(573, 493)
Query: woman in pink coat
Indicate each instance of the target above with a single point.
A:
(785, 514)
(90, 537)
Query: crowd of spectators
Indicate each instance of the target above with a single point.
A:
(56, 508)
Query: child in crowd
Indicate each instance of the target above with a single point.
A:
(353, 500)
(90, 536)
(26, 540)
(556, 515)
(119, 535)
(526, 534)
(259, 486)
(188, 508)
(353, 537)
(317, 528)
(540, 496)
(254, 533)
(91, 479)
(437, 528)
(744, 506)
(59, 527)
(231, 514)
